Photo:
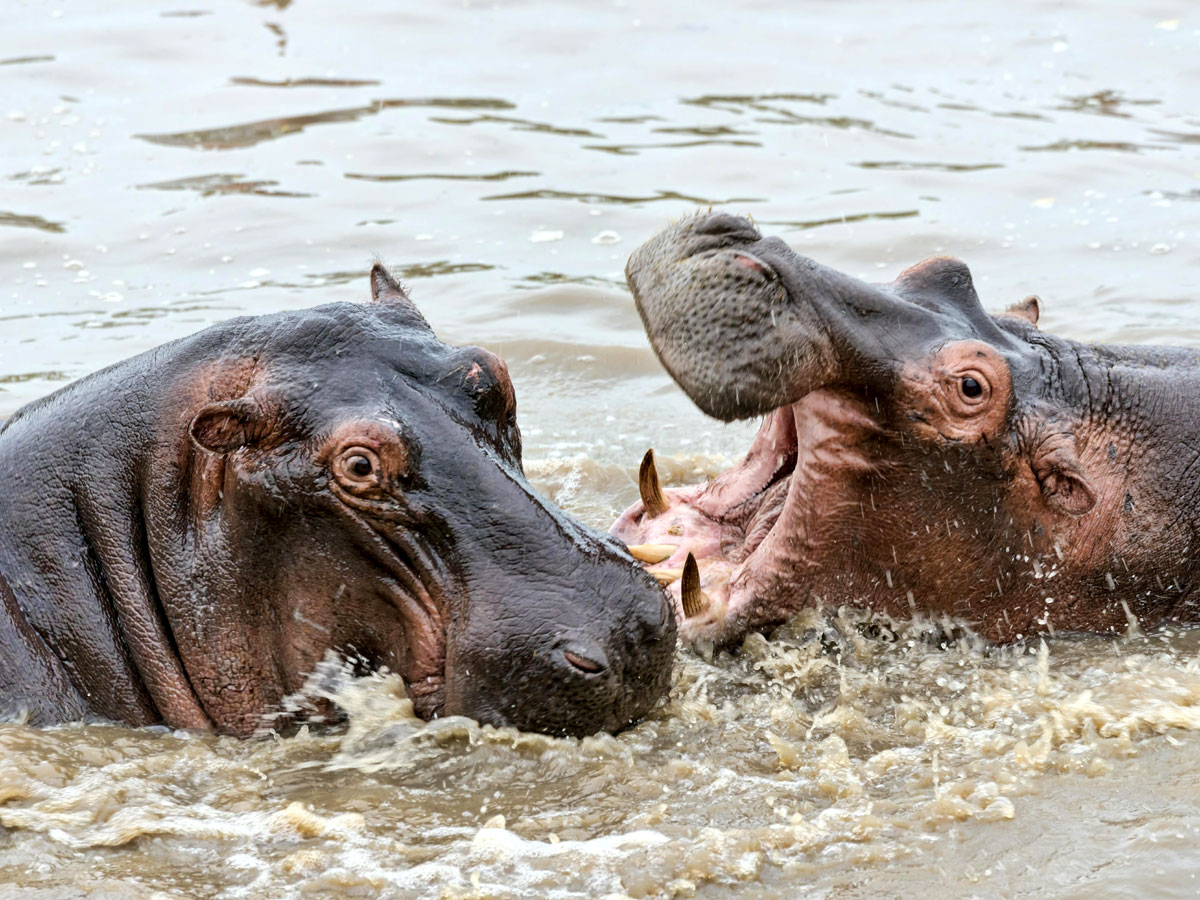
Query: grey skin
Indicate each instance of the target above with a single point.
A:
(185, 535)
(919, 454)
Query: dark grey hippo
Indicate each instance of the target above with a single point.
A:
(184, 536)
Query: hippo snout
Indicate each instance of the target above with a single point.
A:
(568, 646)
(712, 292)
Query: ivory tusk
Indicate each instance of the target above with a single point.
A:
(652, 553)
(666, 576)
(694, 601)
(650, 488)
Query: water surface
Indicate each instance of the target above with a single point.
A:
(169, 166)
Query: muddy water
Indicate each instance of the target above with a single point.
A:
(168, 166)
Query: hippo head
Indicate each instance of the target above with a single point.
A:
(918, 454)
(352, 483)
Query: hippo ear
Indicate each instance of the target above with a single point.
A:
(385, 288)
(1029, 309)
(388, 291)
(1066, 487)
(224, 427)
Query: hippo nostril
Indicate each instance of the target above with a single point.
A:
(753, 264)
(583, 663)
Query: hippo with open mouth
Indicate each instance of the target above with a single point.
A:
(918, 455)
(185, 535)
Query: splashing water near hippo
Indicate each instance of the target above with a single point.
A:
(798, 760)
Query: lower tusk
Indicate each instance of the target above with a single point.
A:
(666, 576)
(652, 553)
(694, 600)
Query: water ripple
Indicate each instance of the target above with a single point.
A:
(220, 183)
(248, 134)
(658, 196)
(17, 220)
(436, 176)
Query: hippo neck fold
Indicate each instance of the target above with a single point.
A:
(83, 534)
(160, 627)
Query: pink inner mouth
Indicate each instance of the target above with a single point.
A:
(760, 531)
(728, 524)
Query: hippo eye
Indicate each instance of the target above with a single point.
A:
(357, 467)
(973, 392)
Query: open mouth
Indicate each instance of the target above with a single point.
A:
(710, 544)
(736, 552)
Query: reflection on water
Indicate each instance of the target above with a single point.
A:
(739, 103)
(220, 183)
(306, 82)
(845, 220)
(1104, 103)
(248, 134)
(505, 159)
(23, 60)
(489, 176)
(14, 220)
(1117, 146)
(517, 125)
(673, 196)
(634, 149)
(901, 166)
(34, 376)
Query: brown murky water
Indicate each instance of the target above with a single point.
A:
(170, 164)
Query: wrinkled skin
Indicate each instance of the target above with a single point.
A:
(185, 535)
(918, 455)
